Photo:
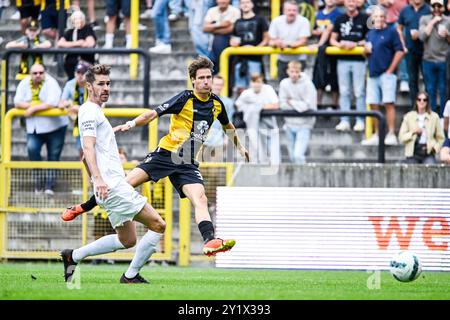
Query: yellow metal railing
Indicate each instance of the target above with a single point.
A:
(233, 51)
(275, 11)
(116, 112)
(134, 25)
(6, 167)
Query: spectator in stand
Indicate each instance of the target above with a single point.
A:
(162, 28)
(80, 36)
(29, 10)
(31, 39)
(298, 93)
(385, 51)
(39, 92)
(219, 21)
(444, 154)
(447, 71)
(421, 132)
(112, 11)
(50, 17)
(91, 12)
(434, 31)
(196, 17)
(349, 31)
(73, 96)
(178, 8)
(289, 30)
(408, 26)
(264, 133)
(216, 143)
(446, 118)
(325, 73)
(393, 8)
(249, 30)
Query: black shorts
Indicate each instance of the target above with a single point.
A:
(162, 163)
(29, 11)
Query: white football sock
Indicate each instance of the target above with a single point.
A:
(109, 40)
(145, 248)
(128, 41)
(106, 244)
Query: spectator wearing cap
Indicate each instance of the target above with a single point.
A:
(38, 92)
(31, 39)
(434, 31)
(80, 36)
(73, 96)
(29, 10)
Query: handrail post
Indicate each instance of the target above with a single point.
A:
(184, 247)
(146, 80)
(381, 135)
(4, 94)
(225, 71)
(134, 23)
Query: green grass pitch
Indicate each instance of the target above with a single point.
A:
(45, 281)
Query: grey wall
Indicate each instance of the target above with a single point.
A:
(344, 175)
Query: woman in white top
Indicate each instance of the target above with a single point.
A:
(421, 132)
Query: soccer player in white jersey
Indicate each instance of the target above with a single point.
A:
(121, 202)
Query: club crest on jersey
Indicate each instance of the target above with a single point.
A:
(202, 126)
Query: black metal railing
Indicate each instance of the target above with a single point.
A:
(116, 51)
(337, 113)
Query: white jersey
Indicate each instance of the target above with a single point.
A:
(93, 123)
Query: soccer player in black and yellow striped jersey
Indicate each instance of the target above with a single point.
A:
(193, 113)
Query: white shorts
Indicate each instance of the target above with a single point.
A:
(382, 89)
(123, 204)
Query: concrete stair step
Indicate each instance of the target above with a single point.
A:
(355, 152)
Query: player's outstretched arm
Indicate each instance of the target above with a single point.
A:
(141, 120)
(230, 131)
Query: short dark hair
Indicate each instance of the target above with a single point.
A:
(97, 69)
(198, 63)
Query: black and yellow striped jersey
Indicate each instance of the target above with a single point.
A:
(190, 122)
(27, 3)
(56, 3)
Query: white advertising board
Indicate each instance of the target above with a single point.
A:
(332, 228)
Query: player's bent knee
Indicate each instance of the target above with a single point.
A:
(160, 226)
(128, 242)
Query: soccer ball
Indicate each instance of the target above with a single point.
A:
(405, 266)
